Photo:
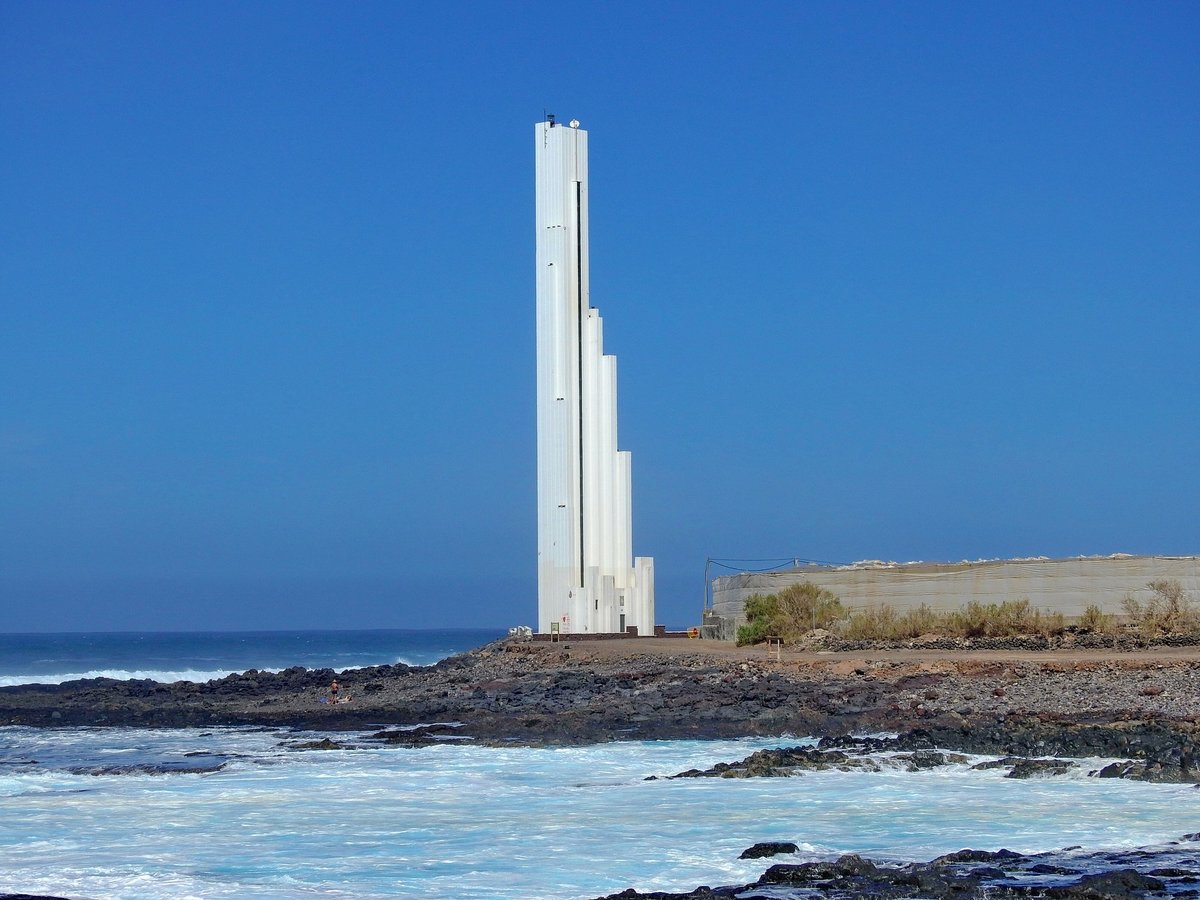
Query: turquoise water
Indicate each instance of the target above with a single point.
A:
(459, 821)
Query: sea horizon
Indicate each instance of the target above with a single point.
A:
(76, 631)
(200, 656)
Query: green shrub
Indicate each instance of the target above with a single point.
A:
(806, 607)
(1166, 611)
(790, 614)
(1048, 624)
(1177, 612)
(884, 623)
(800, 608)
(875, 623)
(969, 622)
(1006, 619)
(1096, 621)
(761, 612)
(1143, 616)
(1013, 617)
(922, 620)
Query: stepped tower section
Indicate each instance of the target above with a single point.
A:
(588, 579)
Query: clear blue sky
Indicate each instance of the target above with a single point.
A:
(885, 280)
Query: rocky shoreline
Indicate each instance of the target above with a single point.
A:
(1029, 710)
(540, 693)
(1143, 708)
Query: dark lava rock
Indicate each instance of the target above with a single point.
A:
(853, 876)
(1173, 769)
(700, 893)
(1123, 883)
(925, 759)
(990, 873)
(973, 856)
(787, 761)
(1170, 872)
(416, 737)
(147, 769)
(1033, 768)
(1004, 875)
(848, 866)
(764, 849)
(323, 744)
(1048, 869)
(784, 762)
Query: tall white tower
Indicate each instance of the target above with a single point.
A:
(588, 580)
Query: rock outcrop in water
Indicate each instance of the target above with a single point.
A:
(970, 875)
(1165, 753)
(764, 849)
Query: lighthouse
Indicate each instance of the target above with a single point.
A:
(589, 582)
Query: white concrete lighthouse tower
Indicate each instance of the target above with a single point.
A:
(588, 580)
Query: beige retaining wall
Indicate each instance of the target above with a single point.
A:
(1068, 586)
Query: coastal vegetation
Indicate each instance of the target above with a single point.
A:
(1167, 611)
(1010, 618)
(1096, 621)
(790, 614)
(802, 609)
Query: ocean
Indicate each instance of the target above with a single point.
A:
(124, 813)
(205, 655)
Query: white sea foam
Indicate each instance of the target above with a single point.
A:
(458, 821)
(164, 676)
(161, 675)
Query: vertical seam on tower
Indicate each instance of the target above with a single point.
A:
(582, 397)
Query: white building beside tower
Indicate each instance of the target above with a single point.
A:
(588, 579)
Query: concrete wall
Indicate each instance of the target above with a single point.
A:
(1068, 586)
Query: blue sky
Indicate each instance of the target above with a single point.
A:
(884, 280)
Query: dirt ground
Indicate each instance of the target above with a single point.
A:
(723, 652)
